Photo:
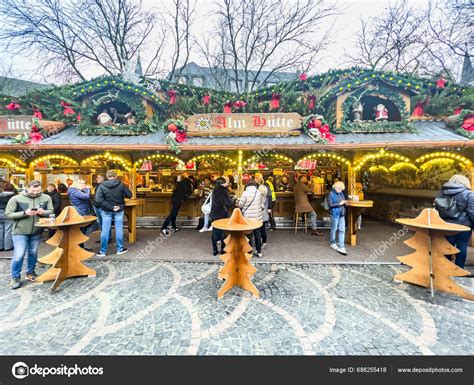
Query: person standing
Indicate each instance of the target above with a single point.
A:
(271, 186)
(206, 191)
(25, 211)
(98, 211)
(220, 206)
(302, 204)
(266, 192)
(6, 242)
(252, 202)
(181, 192)
(455, 204)
(337, 209)
(110, 197)
(80, 197)
(56, 199)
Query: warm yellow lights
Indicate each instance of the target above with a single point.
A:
(445, 155)
(325, 155)
(164, 157)
(107, 156)
(378, 169)
(438, 162)
(16, 165)
(381, 154)
(217, 157)
(401, 165)
(257, 157)
(68, 159)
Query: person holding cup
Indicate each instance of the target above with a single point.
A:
(337, 209)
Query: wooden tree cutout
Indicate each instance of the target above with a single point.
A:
(237, 269)
(430, 231)
(66, 259)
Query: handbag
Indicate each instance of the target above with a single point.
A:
(207, 205)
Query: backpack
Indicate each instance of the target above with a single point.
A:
(206, 207)
(447, 207)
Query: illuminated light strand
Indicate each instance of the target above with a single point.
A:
(433, 161)
(213, 156)
(381, 154)
(277, 156)
(13, 164)
(55, 156)
(326, 155)
(159, 156)
(109, 157)
(398, 166)
(443, 154)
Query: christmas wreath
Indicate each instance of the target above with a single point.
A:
(176, 132)
(318, 129)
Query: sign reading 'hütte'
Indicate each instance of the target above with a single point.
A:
(11, 125)
(244, 124)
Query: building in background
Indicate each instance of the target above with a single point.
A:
(18, 87)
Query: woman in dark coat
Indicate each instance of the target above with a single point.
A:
(455, 204)
(55, 198)
(221, 203)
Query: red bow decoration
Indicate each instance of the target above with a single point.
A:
(468, 124)
(37, 113)
(34, 128)
(172, 127)
(312, 101)
(458, 110)
(239, 104)
(228, 107)
(275, 102)
(35, 137)
(324, 129)
(441, 83)
(67, 108)
(303, 77)
(206, 100)
(78, 118)
(418, 110)
(12, 106)
(172, 95)
(180, 136)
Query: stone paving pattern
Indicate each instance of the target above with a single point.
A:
(162, 308)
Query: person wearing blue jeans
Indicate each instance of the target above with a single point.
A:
(107, 228)
(337, 209)
(25, 210)
(110, 198)
(25, 244)
(460, 241)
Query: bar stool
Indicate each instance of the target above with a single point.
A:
(305, 221)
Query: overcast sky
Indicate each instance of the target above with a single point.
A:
(345, 30)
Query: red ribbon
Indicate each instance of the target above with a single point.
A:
(228, 108)
(275, 102)
(458, 110)
(172, 95)
(303, 77)
(441, 83)
(67, 109)
(206, 100)
(37, 114)
(12, 106)
(312, 101)
(239, 104)
(180, 136)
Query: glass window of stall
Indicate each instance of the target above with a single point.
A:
(280, 166)
(159, 172)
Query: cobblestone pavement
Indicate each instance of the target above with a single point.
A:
(157, 308)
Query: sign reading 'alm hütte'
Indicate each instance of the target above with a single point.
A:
(244, 124)
(14, 124)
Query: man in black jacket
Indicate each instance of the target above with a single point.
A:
(181, 192)
(221, 204)
(56, 199)
(110, 197)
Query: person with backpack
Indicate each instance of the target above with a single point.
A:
(220, 205)
(337, 203)
(455, 204)
(80, 197)
(252, 203)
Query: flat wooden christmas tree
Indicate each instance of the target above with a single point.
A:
(237, 269)
(66, 259)
(430, 267)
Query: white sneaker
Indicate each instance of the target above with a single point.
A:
(334, 246)
(210, 228)
(203, 230)
(264, 244)
(342, 250)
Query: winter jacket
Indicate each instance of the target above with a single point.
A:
(22, 223)
(272, 190)
(5, 196)
(182, 191)
(464, 202)
(56, 199)
(221, 203)
(112, 193)
(252, 202)
(265, 190)
(300, 192)
(334, 202)
(80, 199)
